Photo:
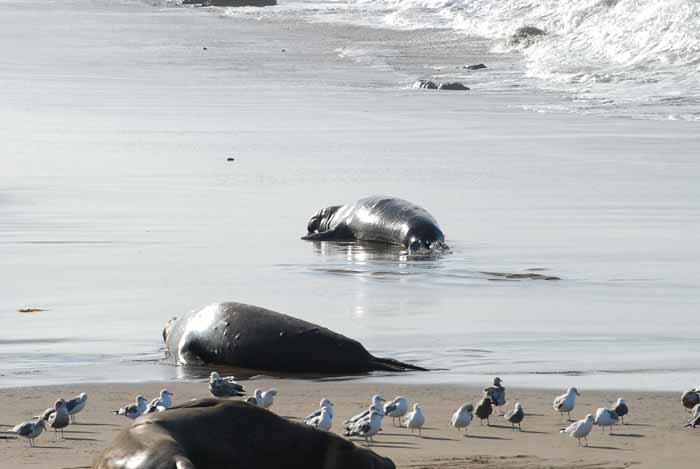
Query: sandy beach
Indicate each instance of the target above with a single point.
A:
(653, 436)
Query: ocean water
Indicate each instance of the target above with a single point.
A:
(625, 58)
(118, 209)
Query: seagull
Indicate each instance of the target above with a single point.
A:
(133, 410)
(691, 398)
(415, 419)
(484, 408)
(265, 399)
(566, 402)
(224, 386)
(59, 420)
(366, 428)
(160, 403)
(580, 429)
(695, 419)
(76, 405)
(463, 417)
(324, 421)
(605, 418)
(516, 416)
(377, 404)
(30, 430)
(396, 408)
(497, 393)
(325, 404)
(621, 409)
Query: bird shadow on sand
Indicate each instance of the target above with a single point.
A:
(615, 448)
(77, 432)
(52, 447)
(535, 432)
(80, 439)
(628, 435)
(635, 425)
(437, 438)
(484, 437)
(97, 424)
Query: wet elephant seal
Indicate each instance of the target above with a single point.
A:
(246, 336)
(380, 219)
(216, 434)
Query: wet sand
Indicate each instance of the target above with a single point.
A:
(652, 437)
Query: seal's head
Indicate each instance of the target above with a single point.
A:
(167, 328)
(425, 235)
(321, 220)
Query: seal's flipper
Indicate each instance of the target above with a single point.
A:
(336, 234)
(389, 364)
(182, 462)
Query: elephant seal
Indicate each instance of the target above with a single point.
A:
(216, 434)
(246, 336)
(380, 219)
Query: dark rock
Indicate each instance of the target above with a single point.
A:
(526, 35)
(455, 85)
(475, 67)
(425, 84)
(230, 159)
(231, 3)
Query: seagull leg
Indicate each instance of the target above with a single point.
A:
(586, 438)
(419, 433)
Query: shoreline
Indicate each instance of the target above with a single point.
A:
(652, 437)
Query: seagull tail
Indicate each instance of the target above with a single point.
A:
(389, 364)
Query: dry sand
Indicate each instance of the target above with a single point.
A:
(653, 437)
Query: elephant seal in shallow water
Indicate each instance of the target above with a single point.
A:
(216, 434)
(380, 219)
(246, 336)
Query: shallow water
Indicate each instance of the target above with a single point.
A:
(119, 209)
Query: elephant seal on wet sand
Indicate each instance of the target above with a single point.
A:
(380, 219)
(217, 434)
(246, 336)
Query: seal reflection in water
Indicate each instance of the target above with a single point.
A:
(245, 336)
(217, 434)
(379, 219)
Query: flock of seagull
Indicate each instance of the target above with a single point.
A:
(368, 423)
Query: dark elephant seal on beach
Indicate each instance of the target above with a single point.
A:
(217, 434)
(380, 219)
(691, 398)
(246, 336)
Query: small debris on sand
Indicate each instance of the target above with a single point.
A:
(30, 310)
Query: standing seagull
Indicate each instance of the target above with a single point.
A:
(224, 387)
(30, 430)
(366, 428)
(76, 405)
(325, 404)
(605, 418)
(133, 410)
(497, 393)
(463, 417)
(265, 399)
(621, 409)
(324, 421)
(484, 409)
(396, 408)
(516, 416)
(580, 429)
(59, 419)
(566, 402)
(695, 419)
(415, 419)
(377, 404)
(160, 403)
